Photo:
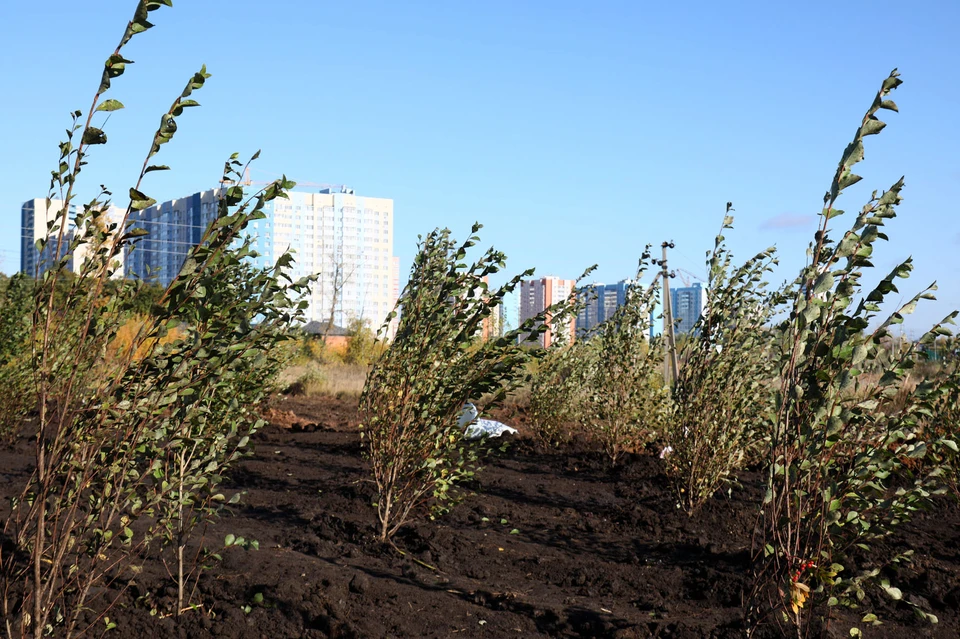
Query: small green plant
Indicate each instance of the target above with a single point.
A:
(231, 364)
(939, 424)
(724, 390)
(840, 454)
(557, 390)
(559, 381)
(415, 393)
(16, 379)
(624, 400)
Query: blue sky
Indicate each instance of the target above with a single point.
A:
(576, 134)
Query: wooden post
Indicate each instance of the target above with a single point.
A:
(670, 365)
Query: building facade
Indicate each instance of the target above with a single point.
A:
(491, 326)
(687, 303)
(35, 218)
(509, 311)
(538, 295)
(346, 238)
(601, 302)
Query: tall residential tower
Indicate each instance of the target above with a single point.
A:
(346, 238)
(538, 295)
(687, 303)
(601, 302)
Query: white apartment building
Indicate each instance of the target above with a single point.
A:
(35, 218)
(346, 238)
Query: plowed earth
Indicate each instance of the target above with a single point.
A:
(554, 544)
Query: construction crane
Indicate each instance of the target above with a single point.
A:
(333, 188)
(685, 276)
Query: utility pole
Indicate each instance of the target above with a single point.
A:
(670, 365)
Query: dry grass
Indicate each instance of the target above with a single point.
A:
(345, 379)
(313, 378)
(519, 398)
(867, 381)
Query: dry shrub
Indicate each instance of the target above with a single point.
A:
(130, 333)
(333, 353)
(313, 378)
(345, 379)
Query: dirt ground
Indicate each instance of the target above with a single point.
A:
(545, 545)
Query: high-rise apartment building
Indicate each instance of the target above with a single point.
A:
(396, 277)
(509, 311)
(35, 216)
(491, 326)
(538, 295)
(601, 302)
(174, 227)
(346, 238)
(687, 303)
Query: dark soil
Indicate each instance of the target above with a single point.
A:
(545, 545)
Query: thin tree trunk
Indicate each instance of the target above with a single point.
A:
(179, 579)
(180, 535)
(39, 535)
(385, 516)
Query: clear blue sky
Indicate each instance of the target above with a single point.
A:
(574, 133)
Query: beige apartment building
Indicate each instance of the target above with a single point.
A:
(538, 295)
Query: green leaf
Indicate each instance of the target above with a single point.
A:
(894, 593)
(918, 451)
(92, 135)
(139, 201)
(859, 354)
(849, 179)
(824, 283)
(229, 539)
(113, 67)
(183, 104)
(872, 126)
(110, 105)
(156, 167)
(140, 26)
